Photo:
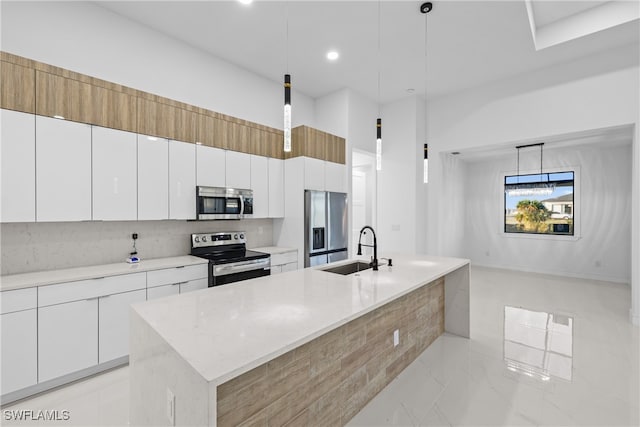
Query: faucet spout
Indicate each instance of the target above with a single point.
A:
(374, 261)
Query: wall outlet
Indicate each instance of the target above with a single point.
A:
(171, 407)
(396, 337)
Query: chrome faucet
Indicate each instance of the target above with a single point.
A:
(374, 261)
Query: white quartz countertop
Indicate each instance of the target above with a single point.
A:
(227, 330)
(273, 250)
(42, 278)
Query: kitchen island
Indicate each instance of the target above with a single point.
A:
(308, 346)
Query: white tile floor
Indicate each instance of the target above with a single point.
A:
(544, 351)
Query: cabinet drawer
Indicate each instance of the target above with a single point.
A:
(91, 288)
(284, 258)
(20, 299)
(176, 275)
(290, 267)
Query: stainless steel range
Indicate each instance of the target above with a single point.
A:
(229, 259)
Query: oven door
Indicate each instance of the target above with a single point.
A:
(234, 272)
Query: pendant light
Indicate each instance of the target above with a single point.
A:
(378, 120)
(287, 92)
(287, 113)
(425, 8)
(539, 188)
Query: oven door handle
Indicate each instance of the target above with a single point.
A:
(240, 267)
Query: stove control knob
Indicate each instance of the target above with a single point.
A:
(204, 238)
(197, 239)
(242, 236)
(235, 236)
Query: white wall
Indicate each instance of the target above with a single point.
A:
(602, 218)
(332, 113)
(88, 39)
(397, 179)
(592, 93)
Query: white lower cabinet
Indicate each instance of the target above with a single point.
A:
(283, 261)
(178, 280)
(19, 350)
(67, 338)
(194, 285)
(113, 324)
(163, 291)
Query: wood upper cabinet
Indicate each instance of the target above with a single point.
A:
(211, 131)
(83, 102)
(314, 143)
(267, 143)
(238, 136)
(18, 87)
(158, 119)
(335, 151)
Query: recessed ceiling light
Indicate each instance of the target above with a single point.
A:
(332, 55)
(246, 1)
(411, 90)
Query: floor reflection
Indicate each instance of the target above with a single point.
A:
(538, 344)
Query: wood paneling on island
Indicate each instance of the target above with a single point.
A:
(331, 378)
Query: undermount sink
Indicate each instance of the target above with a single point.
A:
(350, 268)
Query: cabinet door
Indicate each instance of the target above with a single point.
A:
(314, 174)
(18, 146)
(67, 338)
(276, 188)
(210, 166)
(260, 186)
(153, 178)
(18, 87)
(182, 180)
(163, 291)
(113, 324)
(238, 170)
(276, 269)
(194, 285)
(114, 170)
(19, 350)
(290, 267)
(335, 177)
(63, 175)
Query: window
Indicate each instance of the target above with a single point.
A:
(539, 203)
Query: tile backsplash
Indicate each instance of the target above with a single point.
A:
(28, 247)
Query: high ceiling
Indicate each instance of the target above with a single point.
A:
(469, 43)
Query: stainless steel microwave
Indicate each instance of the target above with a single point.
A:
(223, 203)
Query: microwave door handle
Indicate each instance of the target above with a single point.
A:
(241, 215)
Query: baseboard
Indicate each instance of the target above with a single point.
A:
(572, 275)
(49, 385)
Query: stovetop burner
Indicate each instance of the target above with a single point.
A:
(223, 247)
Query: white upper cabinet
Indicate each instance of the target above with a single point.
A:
(182, 180)
(210, 166)
(63, 174)
(238, 170)
(114, 173)
(276, 188)
(335, 177)
(153, 178)
(18, 147)
(260, 186)
(314, 174)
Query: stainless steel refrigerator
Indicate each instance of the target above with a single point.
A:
(326, 225)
